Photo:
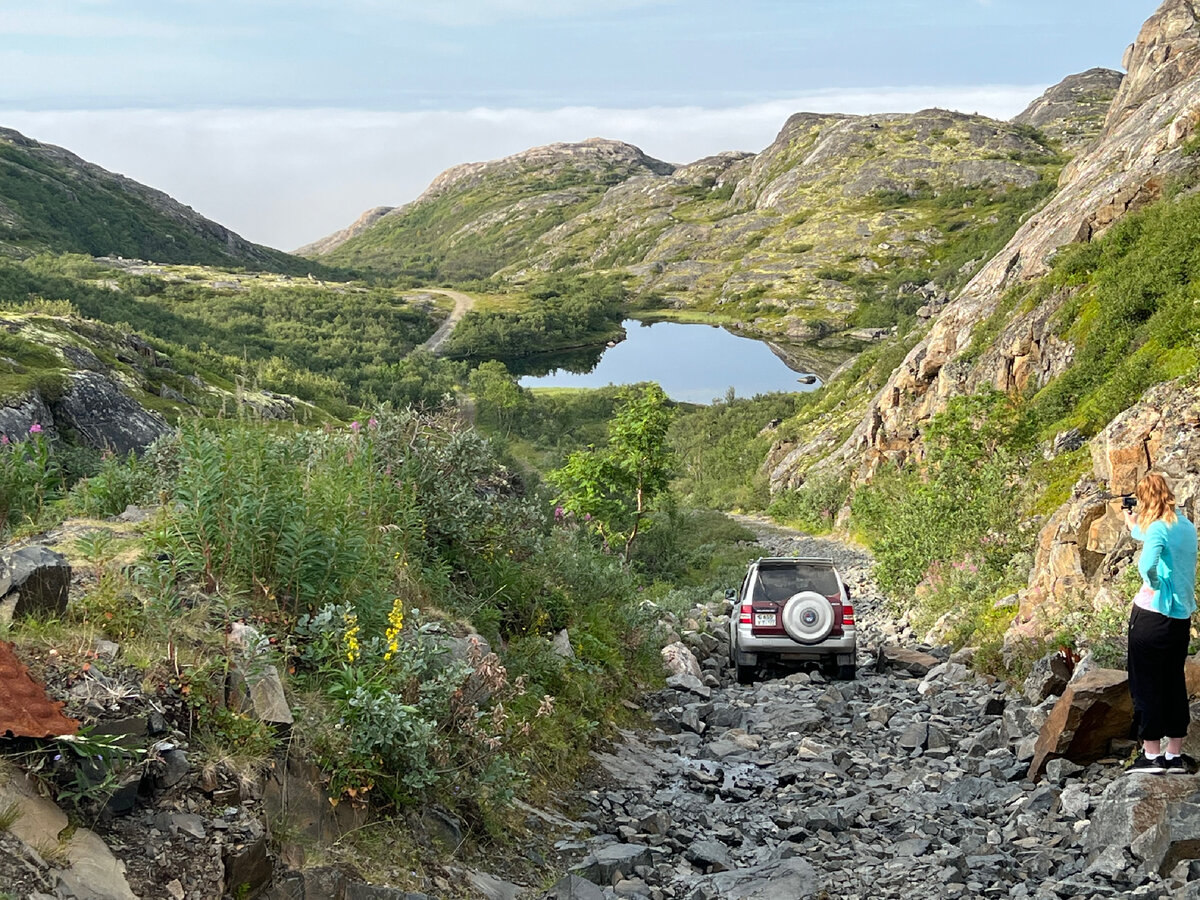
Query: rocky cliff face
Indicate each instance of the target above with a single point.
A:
(51, 200)
(983, 339)
(1139, 150)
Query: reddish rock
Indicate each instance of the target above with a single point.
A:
(25, 710)
(1094, 709)
(914, 662)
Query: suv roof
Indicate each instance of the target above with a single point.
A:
(793, 560)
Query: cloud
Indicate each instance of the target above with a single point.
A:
(57, 21)
(285, 177)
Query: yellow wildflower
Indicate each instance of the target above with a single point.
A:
(350, 635)
(395, 626)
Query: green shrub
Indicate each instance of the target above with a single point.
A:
(30, 478)
(814, 506)
(118, 483)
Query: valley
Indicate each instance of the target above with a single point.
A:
(310, 592)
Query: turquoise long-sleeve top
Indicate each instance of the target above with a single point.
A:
(1168, 565)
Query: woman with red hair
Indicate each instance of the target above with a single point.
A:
(1160, 626)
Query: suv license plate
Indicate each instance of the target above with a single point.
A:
(767, 619)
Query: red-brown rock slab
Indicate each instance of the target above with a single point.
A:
(25, 710)
(1094, 709)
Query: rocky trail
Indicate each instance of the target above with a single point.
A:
(462, 305)
(909, 781)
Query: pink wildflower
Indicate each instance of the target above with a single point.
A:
(355, 427)
(35, 428)
(372, 422)
(3, 439)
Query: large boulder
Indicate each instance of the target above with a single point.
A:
(294, 792)
(612, 862)
(1095, 709)
(37, 583)
(105, 417)
(19, 414)
(914, 662)
(786, 879)
(1158, 819)
(679, 660)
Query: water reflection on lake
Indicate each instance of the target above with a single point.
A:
(693, 363)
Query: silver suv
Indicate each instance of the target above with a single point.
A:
(792, 608)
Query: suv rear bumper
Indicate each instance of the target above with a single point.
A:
(749, 647)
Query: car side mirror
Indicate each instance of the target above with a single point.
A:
(730, 594)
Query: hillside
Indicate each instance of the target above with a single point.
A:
(1073, 111)
(817, 232)
(476, 218)
(53, 201)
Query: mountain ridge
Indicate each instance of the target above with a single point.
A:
(53, 200)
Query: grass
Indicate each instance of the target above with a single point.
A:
(10, 813)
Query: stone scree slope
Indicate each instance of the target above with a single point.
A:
(911, 780)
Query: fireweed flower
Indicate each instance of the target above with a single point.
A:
(355, 427)
(372, 422)
(35, 428)
(350, 635)
(395, 626)
(3, 438)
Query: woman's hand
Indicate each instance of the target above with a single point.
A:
(1130, 518)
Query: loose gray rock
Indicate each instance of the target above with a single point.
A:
(39, 582)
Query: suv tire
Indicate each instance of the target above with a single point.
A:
(745, 674)
(807, 617)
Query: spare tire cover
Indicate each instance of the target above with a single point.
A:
(808, 617)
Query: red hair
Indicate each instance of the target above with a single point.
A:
(1156, 500)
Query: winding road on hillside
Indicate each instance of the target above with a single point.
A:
(462, 305)
(909, 781)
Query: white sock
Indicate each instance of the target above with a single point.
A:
(1171, 755)
(1152, 755)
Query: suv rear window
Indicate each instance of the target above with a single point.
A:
(777, 584)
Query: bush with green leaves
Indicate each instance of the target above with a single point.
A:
(721, 447)
(610, 490)
(31, 476)
(944, 533)
(1131, 313)
(119, 482)
(814, 506)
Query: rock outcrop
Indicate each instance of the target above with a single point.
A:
(106, 388)
(1084, 543)
(1073, 111)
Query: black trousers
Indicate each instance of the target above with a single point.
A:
(1158, 646)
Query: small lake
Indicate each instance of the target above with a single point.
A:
(692, 363)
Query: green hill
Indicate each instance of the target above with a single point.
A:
(53, 201)
(480, 217)
(816, 233)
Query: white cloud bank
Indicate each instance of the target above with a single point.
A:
(286, 177)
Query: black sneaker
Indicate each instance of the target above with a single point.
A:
(1180, 765)
(1174, 766)
(1147, 766)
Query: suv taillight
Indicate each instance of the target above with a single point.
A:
(847, 614)
(746, 615)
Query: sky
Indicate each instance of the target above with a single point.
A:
(285, 119)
